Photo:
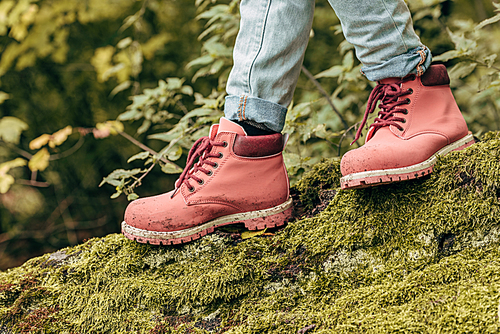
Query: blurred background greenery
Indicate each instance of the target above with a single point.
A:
(147, 77)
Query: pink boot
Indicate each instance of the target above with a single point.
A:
(238, 179)
(419, 120)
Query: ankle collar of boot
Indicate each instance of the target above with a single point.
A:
(436, 75)
(258, 146)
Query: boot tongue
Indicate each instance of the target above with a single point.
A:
(213, 131)
(226, 125)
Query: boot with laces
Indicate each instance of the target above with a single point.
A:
(418, 121)
(237, 179)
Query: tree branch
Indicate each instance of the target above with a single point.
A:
(138, 181)
(68, 152)
(145, 148)
(17, 149)
(325, 94)
(354, 126)
(33, 183)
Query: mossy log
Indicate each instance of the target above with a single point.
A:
(419, 256)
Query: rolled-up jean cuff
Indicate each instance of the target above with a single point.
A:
(414, 61)
(244, 107)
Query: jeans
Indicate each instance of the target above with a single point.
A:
(273, 37)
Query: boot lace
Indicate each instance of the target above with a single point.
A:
(201, 149)
(389, 95)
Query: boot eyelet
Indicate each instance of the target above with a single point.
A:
(216, 165)
(403, 121)
(221, 155)
(408, 101)
(410, 90)
(405, 112)
(401, 129)
(413, 77)
(224, 144)
(210, 173)
(191, 189)
(201, 182)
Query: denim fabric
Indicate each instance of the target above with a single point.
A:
(383, 36)
(273, 36)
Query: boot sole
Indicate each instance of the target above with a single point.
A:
(384, 176)
(253, 220)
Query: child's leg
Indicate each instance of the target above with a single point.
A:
(383, 36)
(267, 60)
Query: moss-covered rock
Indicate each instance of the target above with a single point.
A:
(419, 256)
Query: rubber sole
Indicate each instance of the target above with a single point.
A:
(253, 220)
(385, 176)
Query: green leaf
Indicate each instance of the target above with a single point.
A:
(132, 196)
(59, 137)
(149, 113)
(121, 87)
(174, 83)
(203, 60)
(174, 156)
(140, 100)
(345, 46)
(4, 96)
(138, 156)
(294, 162)
(216, 66)
(461, 42)
(202, 72)
(164, 136)
(485, 81)
(490, 60)
(6, 181)
(207, 31)
(11, 128)
(448, 55)
(216, 49)
(320, 131)
(132, 114)
(187, 90)
(110, 127)
(332, 72)
(252, 234)
(116, 176)
(124, 43)
(491, 20)
(197, 113)
(144, 127)
(171, 169)
(348, 61)
(462, 70)
(40, 161)
(6, 166)
(116, 194)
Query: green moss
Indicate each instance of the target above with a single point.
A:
(420, 256)
(322, 176)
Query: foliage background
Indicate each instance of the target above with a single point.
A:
(157, 70)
